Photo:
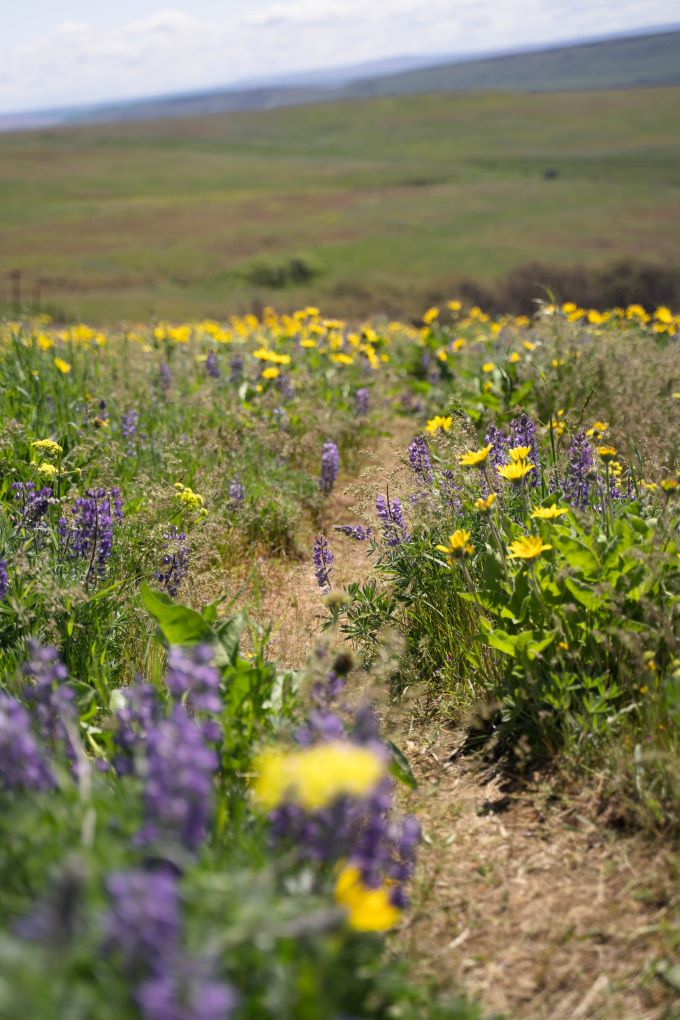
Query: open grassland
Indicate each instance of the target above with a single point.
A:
(376, 205)
(339, 667)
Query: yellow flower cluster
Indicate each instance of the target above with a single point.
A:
(47, 447)
(189, 499)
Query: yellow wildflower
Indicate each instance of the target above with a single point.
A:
(439, 422)
(606, 453)
(188, 498)
(670, 484)
(47, 447)
(454, 306)
(488, 366)
(459, 545)
(515, 471)
(314, 777)
(527, 548)
(514, 358)
(47, 471)
(342, 359)
(529, 346)
(457, 344)
(270, 373)
(62, 366)
(368, 909)
(519, 453)
(550, 513)
(597, 429)
(430, 315)
(474, 458)
(484, 505)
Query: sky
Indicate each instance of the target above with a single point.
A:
(64, 53)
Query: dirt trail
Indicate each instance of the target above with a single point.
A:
(522, 898)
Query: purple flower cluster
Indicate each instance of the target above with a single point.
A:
(355, 531)
(285, 386)
(178, 781)
(580, 471)
(4, 579)
(330, 466)
(237, 493)
(362, 401)
(323, 562)
(23, 765)
(236, 366)
(32, 503)
(499, 443)
(419, 459)
(89, 533)
(191, 675)
(49, 693)
(449, 490)
(143, 924)
(212, 367)
(175, 561)
(361, 830)
(135, 718)
(128, 423)
(392, 517)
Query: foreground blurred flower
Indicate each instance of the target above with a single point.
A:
(459, 546)
(62, 366)
(474, 458)
(367, 909)
(549, 513)
(527, 548)
(314, 777)
(22, 761)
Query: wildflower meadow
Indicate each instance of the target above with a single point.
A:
(476, 522)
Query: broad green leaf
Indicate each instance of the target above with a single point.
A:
(583, 593)
(179, 625)
(400, 768)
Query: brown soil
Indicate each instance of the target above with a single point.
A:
(524, 895)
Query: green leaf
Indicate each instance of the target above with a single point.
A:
(400, 768)
(583, 593)
(228, 633)
(179, 625)
(579, 556)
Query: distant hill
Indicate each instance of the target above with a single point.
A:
(608, 64)
(645, 59)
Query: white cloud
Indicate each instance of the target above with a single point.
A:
(173, 50)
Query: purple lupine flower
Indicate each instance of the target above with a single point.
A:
(143, 922)
(392, 517)
(499, 443)
(191, 672)
(164, 376)
(212, 367)
(410, 403)
(450, 491)
(186, 992)
(179, 781)
(323, 562)
(128, 423)
(285, 386)
(355, 531)
(362, 401)
(419, 459)
(89, 532)
(174, 562)
(237, 493)
(135, 718)
(236, 368)
(33, 503)
(580, 471)
(330, 466)
(50, 695)
(523, 433)
(4, 579)
(22, 761)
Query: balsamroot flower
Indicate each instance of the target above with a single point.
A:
(523, 434)
(458, 547)
(550, 513)
(474, 458)
(439, 423)
(515, 471)
(485, 505)
(527, 548)
(330, 466)
(367, 909)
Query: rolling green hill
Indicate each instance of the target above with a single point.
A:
(358, 206)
